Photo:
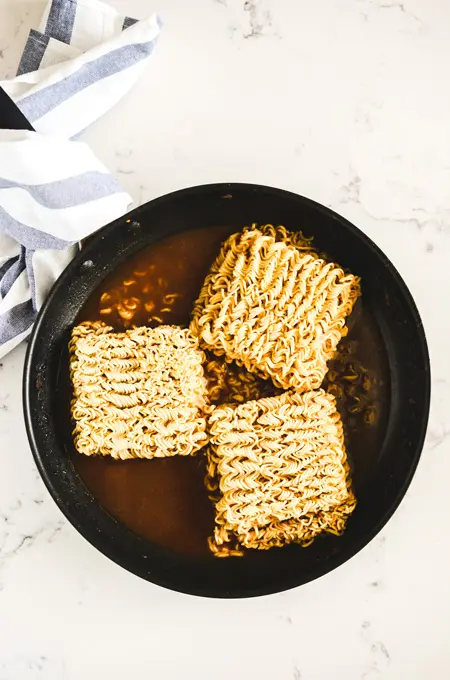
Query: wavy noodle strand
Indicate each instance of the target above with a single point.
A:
(138, 394)
(277, 472)
(273, 306)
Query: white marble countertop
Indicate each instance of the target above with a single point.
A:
(345, 101)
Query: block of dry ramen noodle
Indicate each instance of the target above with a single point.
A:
(277, 472)
(137, 394)
(275, 308)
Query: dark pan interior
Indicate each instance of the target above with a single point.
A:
(390, 312)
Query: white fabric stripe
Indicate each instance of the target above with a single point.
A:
(6, 347)
(53, 191)
(95, 23)
(22, 153)
(142, 32)
(29, 237)
(9, 248)
(68, 192)
(22, 86)
(43, 24)
(34, 106)
(78, 112)
(47, 266)
(79, 221)
(87, 24)
(29, 267)
(20, 292)
(58, 52)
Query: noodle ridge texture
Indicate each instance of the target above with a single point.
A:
(277, 472)
(137, 394)
(274, 307)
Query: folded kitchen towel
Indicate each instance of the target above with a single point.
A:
(79, 63)
(54, 192)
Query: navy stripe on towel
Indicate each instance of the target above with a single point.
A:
(127, 22)
(6, 265)
(29, 237)
(33, 53)
(16, 321)
(39, 103)
(13, 272)
(61, 19)
(69, 192)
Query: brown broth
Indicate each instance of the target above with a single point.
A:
(164, 500)
(177, 264)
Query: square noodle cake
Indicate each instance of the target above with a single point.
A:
(277, 472)
(274, 308)
(137, 394)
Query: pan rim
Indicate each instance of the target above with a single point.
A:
(89, 533)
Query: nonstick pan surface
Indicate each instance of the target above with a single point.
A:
(383, 463)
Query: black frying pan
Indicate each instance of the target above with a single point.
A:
(395, 445)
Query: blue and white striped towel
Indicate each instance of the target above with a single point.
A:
(54, 192)
(84, 62)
